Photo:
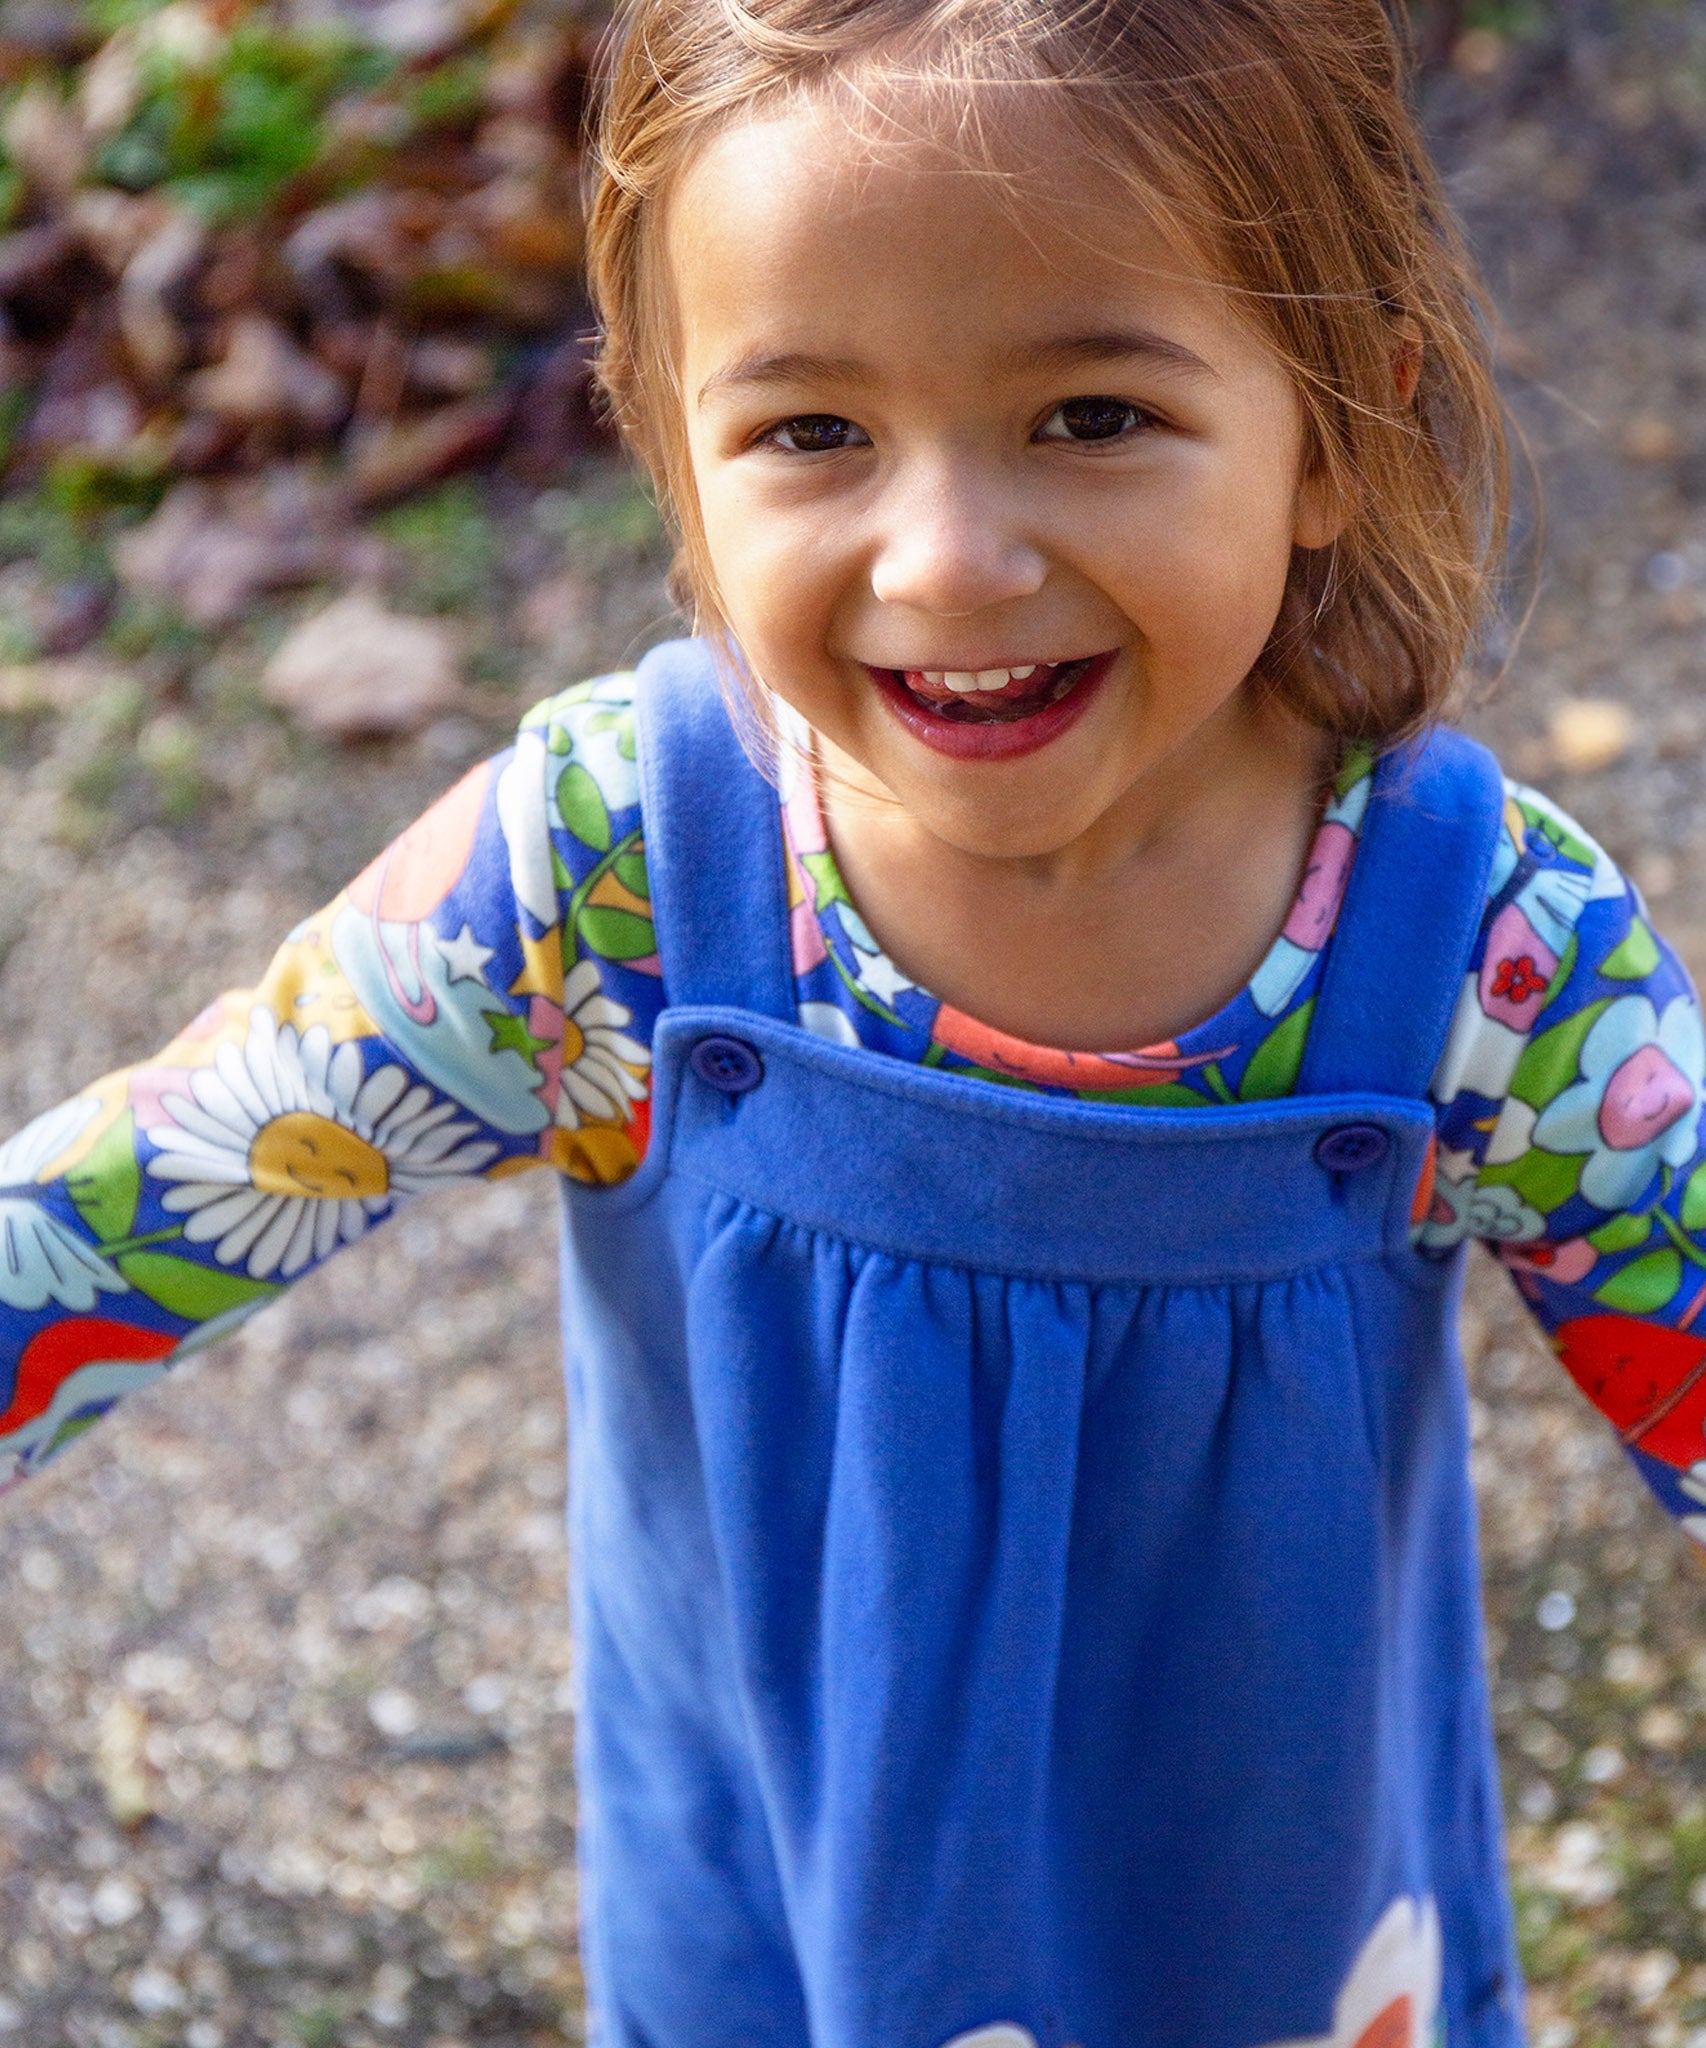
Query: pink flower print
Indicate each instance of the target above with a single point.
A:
(803, 814)
(1517, 971)
(806, 933)
(1637, 1104)
(1565, 1263)
(1643, 1098)
(1316, 909)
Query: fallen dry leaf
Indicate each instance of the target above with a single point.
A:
(212, 547)
(359, 671)
(263, 377)
(387, 462)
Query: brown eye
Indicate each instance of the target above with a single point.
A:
(818, 433)
(1092, 419)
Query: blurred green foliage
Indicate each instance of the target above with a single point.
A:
(225, 133)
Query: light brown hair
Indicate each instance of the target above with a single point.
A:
(1272, 135)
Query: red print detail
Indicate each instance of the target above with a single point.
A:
(55, 1353)
(1518, 979)
(1648, 1381)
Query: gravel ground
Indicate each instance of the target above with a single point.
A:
(304, 1603)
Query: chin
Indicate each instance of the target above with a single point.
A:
(1033, 832)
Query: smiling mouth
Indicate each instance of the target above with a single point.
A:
(992, 696)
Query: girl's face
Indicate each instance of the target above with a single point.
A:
(999, 491)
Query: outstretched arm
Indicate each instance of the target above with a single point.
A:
(477, 1002)
(1571, 1138)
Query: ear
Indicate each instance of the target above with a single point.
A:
(1323, 510)
(1406, 360)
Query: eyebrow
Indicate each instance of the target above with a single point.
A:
(1111, 345)
(760, 368)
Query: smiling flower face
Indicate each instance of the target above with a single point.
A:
(284, 1148)
(1637, 1103)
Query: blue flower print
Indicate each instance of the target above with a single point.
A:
(1637, 1103)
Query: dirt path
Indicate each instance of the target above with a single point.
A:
(312, 1589)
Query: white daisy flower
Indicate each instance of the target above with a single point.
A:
(1391, 1997)
(285, 1148)
(41, 1258)
(603, 1068)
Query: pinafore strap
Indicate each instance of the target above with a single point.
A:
(1407, 931)
(713, 843)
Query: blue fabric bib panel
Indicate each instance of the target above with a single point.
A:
(1024, 1555)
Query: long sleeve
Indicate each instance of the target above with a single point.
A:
(1570, 1137)
(477, 1002)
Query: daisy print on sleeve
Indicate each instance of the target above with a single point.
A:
(478, 1002)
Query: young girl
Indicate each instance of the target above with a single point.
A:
(1025, 1576)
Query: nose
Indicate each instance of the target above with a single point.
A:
(952, 546)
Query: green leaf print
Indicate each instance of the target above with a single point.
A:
(559, 739)
(1643, 1287)
(1635, 958)
(625, 742)
(1621, 1234)
(630, 870)
(580, 805)
(1542, 1179)
(182, 1288)
(1001, 1080)
(1215, 1082)
(108, 1185)
(1694, 1200)
(1164, 1095)
(1550, 1062)
(1565, 968)
(1272, 1071)
(1567, 843)
(616, 934)
(826, 879)
(1358, 762)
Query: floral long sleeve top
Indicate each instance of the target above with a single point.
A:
(481, 1001)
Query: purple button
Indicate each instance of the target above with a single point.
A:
(1348, 1148)
(729, 1065)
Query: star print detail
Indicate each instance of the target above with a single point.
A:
(879, 974)
(510, 1034)
(465, 956)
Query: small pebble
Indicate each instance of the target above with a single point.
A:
(1590, 733)
(1478, 54)
(1649, 438)
(1556, 1611)
(1537, 1801)
(393, 1712)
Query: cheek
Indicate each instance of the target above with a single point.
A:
(1207, 560)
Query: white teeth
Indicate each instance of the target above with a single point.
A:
(964, 681)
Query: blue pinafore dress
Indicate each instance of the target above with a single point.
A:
(1025, 1576)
